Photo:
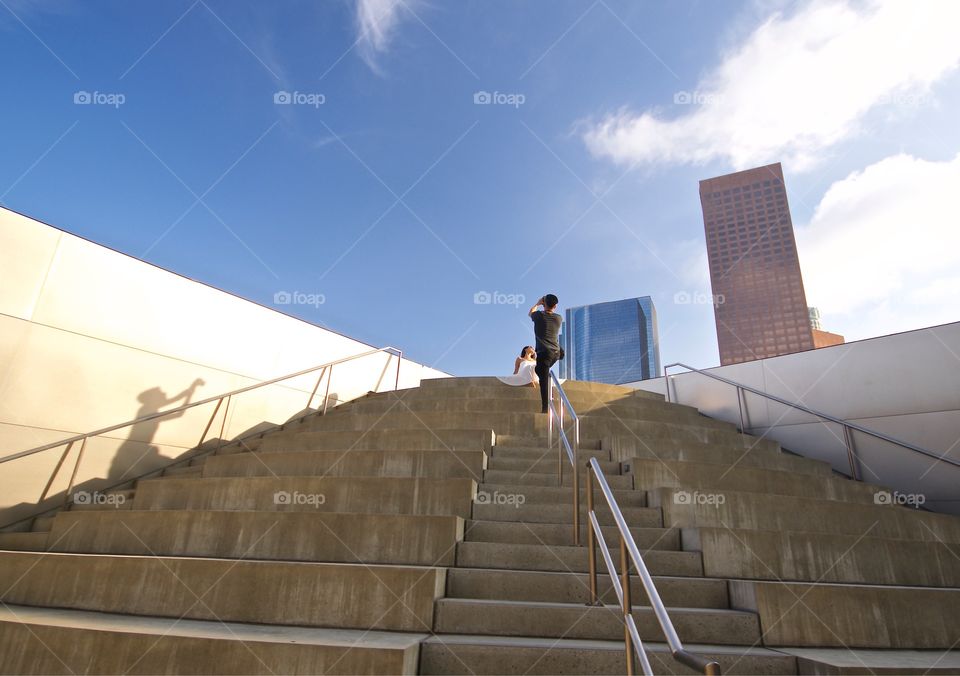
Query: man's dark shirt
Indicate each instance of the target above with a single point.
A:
(546, 327)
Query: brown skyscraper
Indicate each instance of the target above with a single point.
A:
(760, 306)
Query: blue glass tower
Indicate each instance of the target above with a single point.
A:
(614, 342)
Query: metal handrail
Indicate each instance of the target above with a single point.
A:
(325, 369)
(629, 552)
(563, 444)
(848, 427)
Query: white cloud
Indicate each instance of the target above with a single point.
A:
(795, 86)
(881, 252)
(376, 24)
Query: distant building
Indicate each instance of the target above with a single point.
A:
(822, 338)
(815, 319)
(614, 342)
(754, 266)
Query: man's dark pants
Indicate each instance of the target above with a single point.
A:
(545, 360)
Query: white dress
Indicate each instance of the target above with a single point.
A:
(524, 375)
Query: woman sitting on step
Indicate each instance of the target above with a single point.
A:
(523, 369)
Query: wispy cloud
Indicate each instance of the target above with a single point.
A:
(376, 25)
(795, 86)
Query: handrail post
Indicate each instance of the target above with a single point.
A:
(851, 453)
(56, 470)
(316, 387)
(76, 467)
(223, 423)
(591, 538)
(326, 394)
(627, 604)
(396, 384)
(210, 422)
(743, 430)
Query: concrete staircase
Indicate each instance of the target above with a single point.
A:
(427, 531)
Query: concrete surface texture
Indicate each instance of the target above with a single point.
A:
(429, 530)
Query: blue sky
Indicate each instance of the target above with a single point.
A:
(386, 189)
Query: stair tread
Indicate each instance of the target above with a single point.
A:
(579, 606)
(231, 631)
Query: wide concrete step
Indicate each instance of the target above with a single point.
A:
(837, 661)
(541, 464)
(27, 541)
(510, 507)
(529, 405)
(42, 524)
(394, 598)
(574, 620)
(544, 451)
(849, 558)
(582, 401)
(758, 511)
(291, 536)
(182, 470)
(562, 534)
(851, 616)
(368, 495)
(529, 424)
(487, 655)
(626, 444)
(300, 438)
(437, 464)
(538, 442)
(569, 386)
(717, 477)
(517, 478)
(571, 559)
(524, 585)
(549, 495)
(56, 641)
(757, 458)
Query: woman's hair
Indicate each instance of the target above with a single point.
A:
(523, 352)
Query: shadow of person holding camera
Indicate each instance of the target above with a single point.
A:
(137, 454)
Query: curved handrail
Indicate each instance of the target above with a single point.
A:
(563, 444)
(162, 414)
(851, 451)
(629, 552)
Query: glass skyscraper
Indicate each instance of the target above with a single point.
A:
(614, 342)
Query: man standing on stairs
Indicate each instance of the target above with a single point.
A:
(546, 327)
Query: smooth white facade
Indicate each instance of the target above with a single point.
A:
(906, 386)
(90, 337)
